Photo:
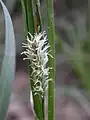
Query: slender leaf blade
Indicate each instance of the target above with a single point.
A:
(8, 65)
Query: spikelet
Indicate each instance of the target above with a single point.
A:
(36, 50)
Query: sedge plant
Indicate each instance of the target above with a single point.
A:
(39, 50)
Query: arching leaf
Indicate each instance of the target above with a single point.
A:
(8, 64)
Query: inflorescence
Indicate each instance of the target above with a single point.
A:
(36, 50)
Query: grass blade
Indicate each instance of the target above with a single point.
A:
(51, 38)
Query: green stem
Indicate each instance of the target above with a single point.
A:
(39, 20)
(51, 38)
(39, 24)
(27, 7)
(38, 15)
(30, 17)
(25, 16)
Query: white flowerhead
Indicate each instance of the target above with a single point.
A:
(36, 50)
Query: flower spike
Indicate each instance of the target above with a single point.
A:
(36, 50)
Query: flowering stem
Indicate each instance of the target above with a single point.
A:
(27, 6)
(51, 38)
(39, 24)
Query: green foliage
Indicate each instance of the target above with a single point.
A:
(8, 65)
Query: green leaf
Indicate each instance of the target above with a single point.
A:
(8, 65)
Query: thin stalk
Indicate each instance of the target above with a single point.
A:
(30, 17)
(38, 15)
(27, 7)
(25, 17)
(51, 38)
(39, 24)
